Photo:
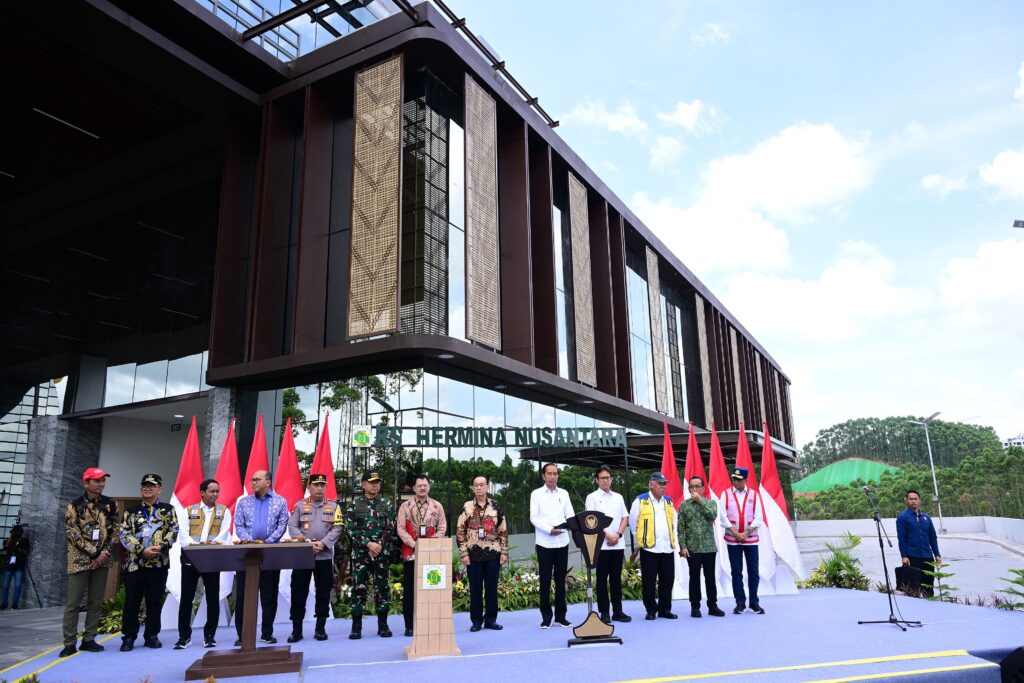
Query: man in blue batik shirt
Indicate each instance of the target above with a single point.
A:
(263, 516)
(919, 545)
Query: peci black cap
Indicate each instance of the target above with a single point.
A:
(151, 480)
(371, 476)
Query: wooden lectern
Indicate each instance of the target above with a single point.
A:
(433, 630)
(250, 557)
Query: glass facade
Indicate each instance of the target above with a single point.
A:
(563, 299)
(426, 398)
(640, 331)
(14, 428)
(133, 383)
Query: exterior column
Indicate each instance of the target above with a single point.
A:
(220, 408)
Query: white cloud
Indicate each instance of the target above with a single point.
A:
(985, 290)
(1019, 92)
(944, 185)
(623, 119)
(1005, 172)
(711, 34)
(706, 236)
(802, 168)
(665, 152)
(852, 293)
(695, 117)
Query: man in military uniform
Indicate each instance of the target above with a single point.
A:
(315, 518)
(371, 524)
(90, 522)
(148, 530)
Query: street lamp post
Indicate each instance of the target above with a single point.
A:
(931, 462)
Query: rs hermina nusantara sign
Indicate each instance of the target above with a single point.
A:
(484, 437)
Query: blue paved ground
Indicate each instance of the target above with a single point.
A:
(816, 630)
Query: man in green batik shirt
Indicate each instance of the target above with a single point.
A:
(697, 544)
(371, 525)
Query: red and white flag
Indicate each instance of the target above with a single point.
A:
(287, 480)
(227, 476)
(718, 479)
(186, 492)
(674, 487)
(323, 463)
(776, 517)
(257, 457)
(694, 466)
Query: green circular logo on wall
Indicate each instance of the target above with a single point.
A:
(362, 439)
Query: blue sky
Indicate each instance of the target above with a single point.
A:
(844, 177)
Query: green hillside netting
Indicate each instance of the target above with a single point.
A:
(841, 474)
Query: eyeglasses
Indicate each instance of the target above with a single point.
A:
(605, 478)
(696, 486)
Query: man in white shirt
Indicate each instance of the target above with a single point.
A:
(609, 562)
(549, 508)
(652, 518)
(204, 522)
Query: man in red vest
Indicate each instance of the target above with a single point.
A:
(739, 515)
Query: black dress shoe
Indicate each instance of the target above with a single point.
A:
(623, 617)
(67, 651)
(408, 633)
(667, 615)
(739, 609)
(651, 616)
(90, 646)
(757, 609)
(474, 628)
(238, 642)
(695, 613)
(294, 637)
(153, 643)
(715, 612)
(127, 645)
(493, 627)
(319, 634)
(606, 619)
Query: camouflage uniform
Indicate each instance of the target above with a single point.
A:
(370, 520)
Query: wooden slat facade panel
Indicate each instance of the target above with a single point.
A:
(545, 323)
(483, 268)
(737, 379)
(514, 234)
(376, 200)
(703, 344)
(657, 332)
(583, 304)
(314, 223)
(604, 314)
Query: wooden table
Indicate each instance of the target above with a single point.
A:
(250, 558)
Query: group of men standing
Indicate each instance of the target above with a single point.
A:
(147, 532)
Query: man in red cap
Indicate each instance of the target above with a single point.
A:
(91, 525)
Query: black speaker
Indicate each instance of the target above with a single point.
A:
(1012, 667)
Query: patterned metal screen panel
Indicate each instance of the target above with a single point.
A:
(582, 284)
(376, 200)
(705, 369)
(736, 374)
(483, 294)
(657, 333)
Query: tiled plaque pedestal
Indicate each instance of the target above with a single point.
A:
(433, 630)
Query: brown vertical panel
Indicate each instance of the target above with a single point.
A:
(705, 362)
(657, 331)
(273, 233)
(338, 259)
(483, 270)
(514, 235)
(582, 283)
(234, 243)
(759, 378)
(787, 412)
(604, 316)
(314, 217)
(737, 375)
(376, 200)
(545, 324)
(617, 249)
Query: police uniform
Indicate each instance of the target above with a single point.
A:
(144, 526)
(201, 524)
(370, 520)
(313, 521)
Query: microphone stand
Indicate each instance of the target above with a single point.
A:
(888, 585)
